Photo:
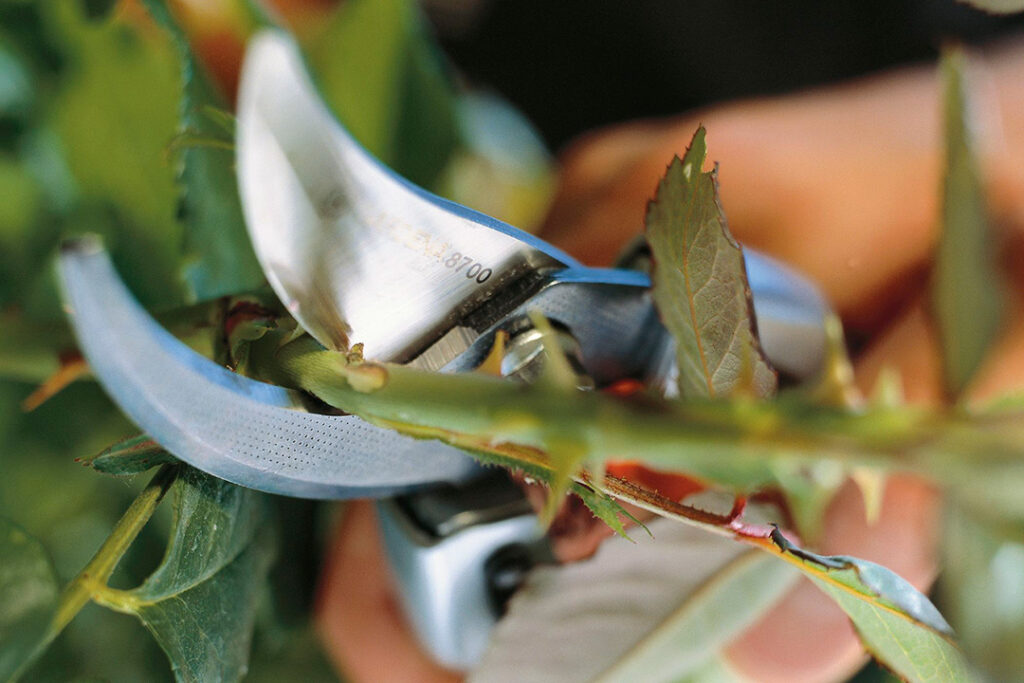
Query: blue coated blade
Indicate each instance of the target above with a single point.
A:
(225, 424)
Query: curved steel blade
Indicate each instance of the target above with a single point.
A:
(355, 252)
(791, 314)
(610, 315)
(233, 427)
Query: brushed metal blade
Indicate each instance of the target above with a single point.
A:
(355, 252)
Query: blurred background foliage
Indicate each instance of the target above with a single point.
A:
(94, 137)
(90, 112)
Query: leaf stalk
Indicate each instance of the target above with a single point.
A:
(92, 580)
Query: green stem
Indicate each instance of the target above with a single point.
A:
(93, 578)
(715, 440)
(730, 444)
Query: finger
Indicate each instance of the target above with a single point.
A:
(909, 350)
(605, 182)
(792, 167)
(808, 638)
(1002, 372)
(358, 616)
(843, 183)
(596, 177)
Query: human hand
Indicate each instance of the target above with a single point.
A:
(842, 184)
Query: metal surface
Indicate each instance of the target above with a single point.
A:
(525, 358)
(354, 250)
(790, 315)
(448, 509)
(444, 581)
(607, 312)
(235, 428)
(610, 315)
(356, 253)
(789, 309)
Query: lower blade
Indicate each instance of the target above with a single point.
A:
(225, 424)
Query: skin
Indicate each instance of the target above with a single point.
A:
(841, 183)
(358, 616)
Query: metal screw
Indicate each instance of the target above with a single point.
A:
(524, 356)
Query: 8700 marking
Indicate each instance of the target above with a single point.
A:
(473, 269)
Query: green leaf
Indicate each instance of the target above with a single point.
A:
(997, 6)
(20, 212)
(220, 257)
(98, 9)
(604, 507)
(896, 623)
(967, 291)
(28, 597)
(93, 578)
(130, 456)
(715, 671)
(731, 443)
(115, 114)
(16, 94)
(914, 653)
(21, 204)
(632, 613)
(700, 284)
(201, 602)
(381, 74)
(300, 657)
(982, 590)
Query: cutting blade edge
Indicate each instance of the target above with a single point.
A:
(354, 251)
(230, 426)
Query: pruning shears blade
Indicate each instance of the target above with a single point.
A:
(791, 314)
(356, 253)
(233, 427)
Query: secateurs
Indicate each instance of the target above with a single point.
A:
(358, 254)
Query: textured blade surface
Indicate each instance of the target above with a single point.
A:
(355, 252)
(233, 427)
